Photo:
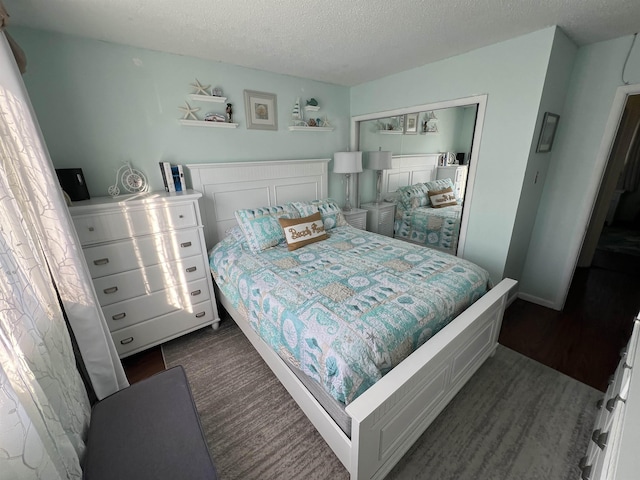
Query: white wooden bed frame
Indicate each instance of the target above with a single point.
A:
(409, 170)
(390, 416)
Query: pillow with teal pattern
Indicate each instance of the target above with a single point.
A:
(261, 227)
(412, 196)
(439, 184)
(329, 210)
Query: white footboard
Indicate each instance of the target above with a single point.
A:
(390, 416)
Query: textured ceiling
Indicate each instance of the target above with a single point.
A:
(345, 42)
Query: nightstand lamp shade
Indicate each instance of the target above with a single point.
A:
(347, 163)
(379, 161)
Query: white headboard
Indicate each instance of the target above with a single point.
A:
(227, 187)
(409, 170)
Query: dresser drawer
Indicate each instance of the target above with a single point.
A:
(131, 221)
(122, 286)
(135, 310)
(139, 252)
(155, 331)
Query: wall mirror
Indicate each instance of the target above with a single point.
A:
(428, 143)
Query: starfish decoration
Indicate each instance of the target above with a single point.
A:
(189, 112)
(200, 90)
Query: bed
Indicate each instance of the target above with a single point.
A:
(407, 184)
(386, 418)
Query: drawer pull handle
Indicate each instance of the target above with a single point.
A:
(611, 403)
(101, 261)
(199, 315)
(126, 340)
(119, 316)
(191, 269)
(196, 292)
(185, 244)
(110, 290)
(586, 473)
(583, 462)
(91, 229)
(600, 403)
(600, 439)
(180, 216)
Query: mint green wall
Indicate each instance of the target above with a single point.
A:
(512, 73)
(553, 98)
(99, 104)
(566, 202)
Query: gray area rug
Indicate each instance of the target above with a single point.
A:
(515, 419)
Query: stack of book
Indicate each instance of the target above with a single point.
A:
(173, 177)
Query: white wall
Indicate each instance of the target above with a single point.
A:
(574, 171)
(555, 87)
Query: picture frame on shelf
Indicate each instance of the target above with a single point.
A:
(261, 110)
(411, 123)
(548, 132)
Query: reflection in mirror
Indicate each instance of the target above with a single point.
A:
(431, 154)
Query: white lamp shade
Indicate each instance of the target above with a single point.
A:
(347, 162)
(379, 160)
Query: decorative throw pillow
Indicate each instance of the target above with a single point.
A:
(442, 198)
(441, 184)
(260, 225)
(299, 232)
(412, 196)
(329, 210)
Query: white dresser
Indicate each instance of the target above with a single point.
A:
(457, 174)
(148, 261)
(613, 449)
(380, 217)
(356, 217)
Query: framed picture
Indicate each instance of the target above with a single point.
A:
(411, 123)
(548, 132)
(261, 109)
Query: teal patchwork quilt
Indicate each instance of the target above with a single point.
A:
(432, 227)
(348, 309)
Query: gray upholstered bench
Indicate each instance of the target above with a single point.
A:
(150, 430)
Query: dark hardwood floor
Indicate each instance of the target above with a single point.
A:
(583, 341)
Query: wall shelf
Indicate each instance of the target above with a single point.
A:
(310, 129)
(390, 132)
(202, 123)
(207, 98)
(311, 108)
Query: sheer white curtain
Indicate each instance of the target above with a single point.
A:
(44, 411)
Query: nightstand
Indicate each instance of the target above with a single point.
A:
(356, 217)
(380, 217)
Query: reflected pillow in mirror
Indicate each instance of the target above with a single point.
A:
(442, 198)
(412, 196)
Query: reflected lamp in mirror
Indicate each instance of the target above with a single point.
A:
(347, 163)
(379, 161)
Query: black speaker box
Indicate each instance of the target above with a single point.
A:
(72, 182)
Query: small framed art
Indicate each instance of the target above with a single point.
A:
(411, 123)
(548, 132)
(261, 109)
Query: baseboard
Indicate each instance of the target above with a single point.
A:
(537, 300)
